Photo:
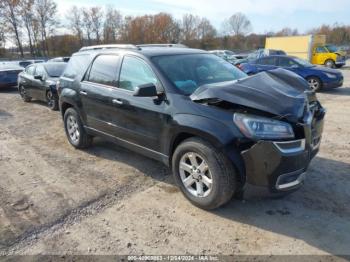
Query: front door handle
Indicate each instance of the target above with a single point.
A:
(84, 93)
(117, 101)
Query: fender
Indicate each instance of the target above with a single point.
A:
(70, 96)
(217, 133)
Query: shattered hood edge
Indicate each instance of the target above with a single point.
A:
(279, 92)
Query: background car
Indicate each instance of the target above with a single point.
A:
(9, 74)
(227, 55)
(22, 63)
(259, 54)
(60, 59)
(318, 77)
(39, 82)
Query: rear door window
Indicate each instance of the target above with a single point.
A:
(104, 70)
(286, 62)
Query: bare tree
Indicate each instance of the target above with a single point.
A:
(87, 24)
(10, 13)
(112, 25)
(237, 24)
(36, 34)
(287, 32)
(96, 14)
(189, 27)
(2, 32)
(206, 29)
(75, 18)
(27, 16)
(164, 29)
(45, 11)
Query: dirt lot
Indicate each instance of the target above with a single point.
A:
(107, 200)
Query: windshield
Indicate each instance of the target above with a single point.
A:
(303, 62)
(188, 72)
(332, 48)
(55, 70)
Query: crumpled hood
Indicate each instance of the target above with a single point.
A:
(341, 53)
(279, 92)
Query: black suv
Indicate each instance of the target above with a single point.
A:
(217, 128)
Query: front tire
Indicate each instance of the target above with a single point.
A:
(330, 63)
(52, 102)
(23, 93)
(75, 131)
(204, 174)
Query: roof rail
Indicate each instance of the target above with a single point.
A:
(163, 45)
(117, 46)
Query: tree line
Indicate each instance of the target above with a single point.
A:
(34, 28)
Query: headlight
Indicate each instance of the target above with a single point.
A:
(257, 127)
(331, 75)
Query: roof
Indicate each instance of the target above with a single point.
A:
(159, 51)
(289, 56)
(147, 50)
(10, 67)
(53, 63)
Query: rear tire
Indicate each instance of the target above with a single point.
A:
(75, 131)
(23, 93)
(330, 63)
(314, 83)
(52, 102)
(215, 182)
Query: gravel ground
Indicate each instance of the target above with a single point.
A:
(107, 200)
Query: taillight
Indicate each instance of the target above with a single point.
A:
(58, 87)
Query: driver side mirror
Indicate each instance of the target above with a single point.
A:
(39, 77)
(146, 90)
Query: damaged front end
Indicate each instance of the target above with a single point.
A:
(281, 120)
(281, 165)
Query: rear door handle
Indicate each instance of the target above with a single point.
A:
(84, 93)
(117, 101)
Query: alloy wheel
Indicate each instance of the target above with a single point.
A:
(73, 129)
(314, 84)
(50, 100)
(330, 64)
(195, 174)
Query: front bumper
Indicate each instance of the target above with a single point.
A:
(282, 166)
(341, 61)
(333, 84)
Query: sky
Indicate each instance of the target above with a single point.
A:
(265, 15)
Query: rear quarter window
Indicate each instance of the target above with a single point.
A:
(77, 66)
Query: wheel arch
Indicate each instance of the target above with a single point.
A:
(64, 106)
(69, 98)
(329, 59)
(229, 150)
